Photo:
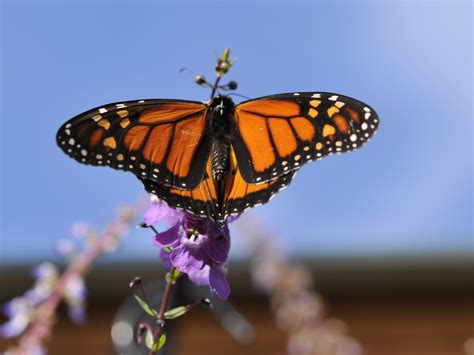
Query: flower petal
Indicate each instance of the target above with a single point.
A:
(200, 277)
(218, 243)
(165, 258)
(217, 248)
(218, 282)
(168, 237)
(184, 261)
(174, 216)
(159, 211)
(155, 213)
(77, 313)
(15, 326)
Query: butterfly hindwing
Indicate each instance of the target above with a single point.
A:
(158, 140)
(277, 134)
(203, 200)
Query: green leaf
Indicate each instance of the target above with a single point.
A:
(159, 344)
(149, 339)
(176, 312)
(146, 307)
(172, 276)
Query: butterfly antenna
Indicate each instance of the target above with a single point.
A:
(183, 69)
(239, 95)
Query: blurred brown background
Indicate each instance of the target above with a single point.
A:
(398, 308)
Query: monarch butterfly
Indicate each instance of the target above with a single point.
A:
(217, 159)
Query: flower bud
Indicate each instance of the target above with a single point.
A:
(200, 80)
(141, 328)
(143, 225)
(222, 67)
(206, 302)
(226, 55)
(232, 85)
(135, 282)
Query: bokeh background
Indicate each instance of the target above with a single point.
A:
(404, 197)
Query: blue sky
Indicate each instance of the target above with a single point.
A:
(409, 191)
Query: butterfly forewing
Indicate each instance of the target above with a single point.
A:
(277, 134)
(158, 140)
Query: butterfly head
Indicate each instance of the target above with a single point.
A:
(221, 117)
(221, 105)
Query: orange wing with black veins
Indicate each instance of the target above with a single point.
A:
(158, 140)
(280, 133)
(204, 199)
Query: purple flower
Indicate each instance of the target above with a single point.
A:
(37, 350)
(195, 246)
(75, 296)
(159, 211)
(19, 312)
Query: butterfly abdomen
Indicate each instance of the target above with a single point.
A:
(220, 159)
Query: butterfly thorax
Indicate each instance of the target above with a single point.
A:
(222, 128)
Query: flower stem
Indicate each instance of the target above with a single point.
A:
(164, 305)
(44, 316)
(214, 87)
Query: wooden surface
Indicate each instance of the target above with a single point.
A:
(428, 324)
